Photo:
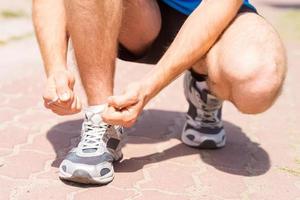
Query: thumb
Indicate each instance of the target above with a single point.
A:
(62, 87)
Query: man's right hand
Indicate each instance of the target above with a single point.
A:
(59, 96)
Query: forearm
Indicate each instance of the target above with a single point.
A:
(201, 29)
(50, 26)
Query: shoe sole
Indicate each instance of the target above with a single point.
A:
(207, 144)
(81, 176)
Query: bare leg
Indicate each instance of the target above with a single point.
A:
(246, 65)
(94, 28)
(141, 24)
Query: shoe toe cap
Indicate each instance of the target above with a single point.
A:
(68, 168)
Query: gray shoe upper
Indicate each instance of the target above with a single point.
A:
(205, 110)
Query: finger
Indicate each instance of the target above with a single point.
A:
(52, 102)
(52, 105)
(59, 105)
(123, 101)
(78, 104)
(66, 104)
(50, 95)
(60, 111)
(62, 87)
(117, 117)
(111, 115)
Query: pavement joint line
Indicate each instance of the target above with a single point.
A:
(146, 175)
(26, 180)
(37, 151)
(138, 195)
(5, 149)
(16, 148)
(250, 187)
(71, 195)
(166, 192)
(199, 188)
(21, 189)
(120, 188)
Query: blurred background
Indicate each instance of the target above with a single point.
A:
(261, 160)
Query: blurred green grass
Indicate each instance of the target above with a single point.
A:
(8, 14)
(16, 38)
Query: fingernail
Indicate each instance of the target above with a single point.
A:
(64, 96)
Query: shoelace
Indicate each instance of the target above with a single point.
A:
(91, 136)
(207, 116)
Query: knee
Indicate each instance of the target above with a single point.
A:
(255, 81)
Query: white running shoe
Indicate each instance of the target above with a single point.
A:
(91, 162)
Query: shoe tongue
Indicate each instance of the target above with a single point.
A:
(95, 118)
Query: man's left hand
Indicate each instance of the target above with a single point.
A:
(124, 109)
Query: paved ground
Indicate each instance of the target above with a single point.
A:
(260, 161)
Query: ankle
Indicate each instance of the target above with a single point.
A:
(95, 108)
(197, 76)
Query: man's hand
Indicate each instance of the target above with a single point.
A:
(124, 109)
(59, 96)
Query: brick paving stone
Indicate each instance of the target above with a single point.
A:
(45, 191)
(222, 184)
(133, 145)
(4, 99)
(42, 144)
(45, 119)
(126, 179)
(23, 164)
(24, 102)
(104, 193)
(49, 174)
(7, 187)
(10, 113)
(174, 150)
(166, 174)
(276, 185)
(4, 152)
(12, 135)
(156, 195)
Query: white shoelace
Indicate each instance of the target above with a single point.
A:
(91, 135)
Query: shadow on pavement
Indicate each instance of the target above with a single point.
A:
(241, 156)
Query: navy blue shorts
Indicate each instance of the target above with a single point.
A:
(172, 20)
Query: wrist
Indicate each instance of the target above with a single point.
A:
(54, 69)
(148, 88)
